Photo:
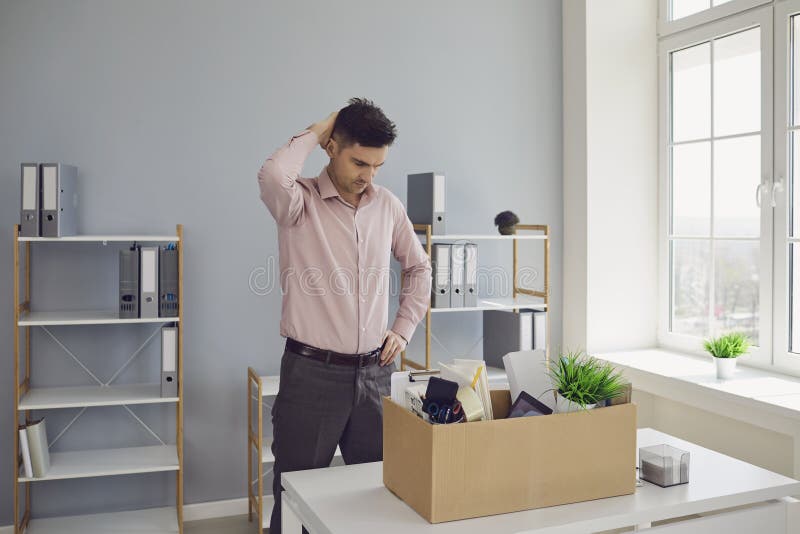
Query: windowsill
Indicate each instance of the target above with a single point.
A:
(754, 395)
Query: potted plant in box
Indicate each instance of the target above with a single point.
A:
(725, 349)
(580, 381)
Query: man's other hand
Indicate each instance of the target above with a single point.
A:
(393, 344)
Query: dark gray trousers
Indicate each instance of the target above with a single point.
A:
(320, 406)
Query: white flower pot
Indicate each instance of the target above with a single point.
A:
(725, 367)
(564, 405)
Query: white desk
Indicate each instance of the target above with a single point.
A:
(352, 500)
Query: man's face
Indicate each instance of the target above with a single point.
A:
(355, 166)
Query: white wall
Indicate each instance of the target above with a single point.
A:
(610, 164)
(610, 212)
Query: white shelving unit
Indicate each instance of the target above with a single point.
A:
(163, 457)
(91, 396)
(521, 297)
(261, 391)
(152, 521)
(80, 317)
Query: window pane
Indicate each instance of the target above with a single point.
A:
(737, 83)
(794, 186)
(794, 292)
(691, 189)
(684, 8)
(690, 275)
(736, 288)
(691, 93)
(737, 171)
(719, 2)
(795, 53)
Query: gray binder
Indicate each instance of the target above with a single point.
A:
(129, 283)
(504, 332)
(457, 275)
(425, 200)
(169, 361)
(59, 203)
(29, 200)
(470, 275)
(148, 282)
(440, 266)
(168, 282)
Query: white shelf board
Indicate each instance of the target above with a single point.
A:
(483, 237)
(103, 239)
(268, 458)
(84, 396)
(269, 385)
(82, 317)
(109, 462)
(499, 304)
(147, 521)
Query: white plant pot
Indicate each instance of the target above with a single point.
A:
(564, 405)
(725, 367)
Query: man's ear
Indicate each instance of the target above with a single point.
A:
(332, 148)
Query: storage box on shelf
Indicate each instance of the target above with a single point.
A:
(95, 462)
(521, 297)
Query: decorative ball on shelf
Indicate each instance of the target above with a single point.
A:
(506, 222)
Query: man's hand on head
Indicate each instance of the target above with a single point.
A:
(393, 344)
(324, 128)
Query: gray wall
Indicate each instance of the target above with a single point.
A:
(169, 109)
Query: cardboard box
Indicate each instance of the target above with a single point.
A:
(458, 471)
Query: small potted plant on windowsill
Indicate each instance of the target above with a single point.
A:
(725, 349)
(581, 381)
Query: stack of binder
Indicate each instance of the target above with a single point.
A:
(455, 275)
(34, 449)
(148, 282)
(48, 200)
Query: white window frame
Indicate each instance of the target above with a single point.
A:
(784, 361)
(763, 17)
(668, 27)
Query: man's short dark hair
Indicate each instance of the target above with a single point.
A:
(364, 123)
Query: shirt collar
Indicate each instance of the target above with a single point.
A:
(328, 190)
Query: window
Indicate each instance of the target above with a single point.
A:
(784, 193)
(679, 15)
(716, 131)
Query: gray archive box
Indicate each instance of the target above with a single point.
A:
(440, 269)
(425, 199)
(30, 197)
(168, 283)
(59, 201)
(148, 282)
(129, 283)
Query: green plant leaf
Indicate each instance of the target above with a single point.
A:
(585, 380)
(730, 345)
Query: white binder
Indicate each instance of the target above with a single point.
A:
(148, 282)
(440, 264)
(59, 202)
(169, 361)
(457, 275)
(470, 275)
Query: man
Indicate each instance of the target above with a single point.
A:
(335, 236)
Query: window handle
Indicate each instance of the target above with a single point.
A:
(759, 194)
(777, 187)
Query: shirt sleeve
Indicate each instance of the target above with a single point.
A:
(415, 295)
(277, 178)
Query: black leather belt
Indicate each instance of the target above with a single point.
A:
(329, 356)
